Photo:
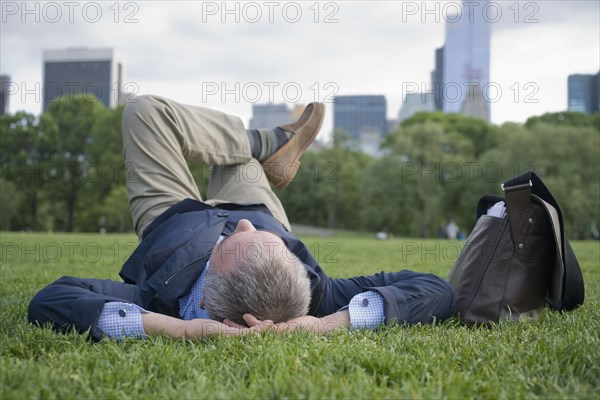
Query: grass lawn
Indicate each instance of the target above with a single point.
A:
(557, 356)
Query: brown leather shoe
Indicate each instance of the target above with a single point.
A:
(282, 166)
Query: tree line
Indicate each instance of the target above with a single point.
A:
(64, 171)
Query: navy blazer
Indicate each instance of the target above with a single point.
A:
(174, 251)
(176, 246)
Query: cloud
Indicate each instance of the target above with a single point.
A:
(370, 47)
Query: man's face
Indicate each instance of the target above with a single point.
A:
(244, 243)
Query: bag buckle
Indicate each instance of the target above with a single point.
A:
(516, 187)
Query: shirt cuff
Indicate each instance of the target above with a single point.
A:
(120, 320)
(366, 310)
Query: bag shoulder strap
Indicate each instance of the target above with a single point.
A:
(518, 202)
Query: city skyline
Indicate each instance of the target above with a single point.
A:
(185, 51)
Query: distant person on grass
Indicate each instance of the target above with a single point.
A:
(228, 264)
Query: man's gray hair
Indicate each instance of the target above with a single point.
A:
(271, 285)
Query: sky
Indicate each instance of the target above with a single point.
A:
(230, 55)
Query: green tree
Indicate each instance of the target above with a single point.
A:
(431, 159)
(567, 158)
(104, 168)
(327, 189)
(482, 135)
(388, 196)
(116, 210)
(10, 201)
(20, 159)
(566, 118)
(63, 149)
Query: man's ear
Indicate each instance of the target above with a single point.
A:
(202, 303)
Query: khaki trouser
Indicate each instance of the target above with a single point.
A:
(161, 137)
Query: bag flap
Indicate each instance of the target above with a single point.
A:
(555, 290)
(574, 288)
(567, 289)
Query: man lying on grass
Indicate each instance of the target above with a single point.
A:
(230, 264)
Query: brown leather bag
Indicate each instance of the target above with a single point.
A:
(510, 267)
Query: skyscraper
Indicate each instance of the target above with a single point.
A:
(363, 118)
(269, 116)
(414, 103)
(583, 93)
(4, 83)
(353, 114)
(437, 78)
(464, 61)
(95, 72)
